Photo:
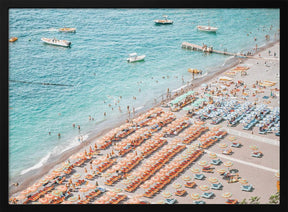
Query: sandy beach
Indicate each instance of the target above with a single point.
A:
(154, 141)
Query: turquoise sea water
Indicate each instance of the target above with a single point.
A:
(96, 69)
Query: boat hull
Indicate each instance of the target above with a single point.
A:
(67, 30)
(62, 43)
(137, 59)
(207, 29)
(163, 22)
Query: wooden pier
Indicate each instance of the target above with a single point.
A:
(206, 49)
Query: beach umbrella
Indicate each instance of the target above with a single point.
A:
(223, 145)
(76, 175)
(43, 181)
(204, 187)
(44, 200)
(49, 177)
(155, 178)
(126, 181)
(50, 196)
(195, 170)
(212, 155)
(37, 185)
(96, 162)
(105, 198)
(232, 138)
(56, 193)
(84, 189)
(195, 196)
(213, 179)
(111, 193)
(117, 190)
(62, 188)
(221, 171)
(91, 186)
(25, 192)
(21, 197)
(131, 177)
(253, 147)
(227, 195)
(202, 163)
(73, 198)
(177, 185)
(166, 194)
(228, 163)
(186, 178)
(243, 181)
(32, 188)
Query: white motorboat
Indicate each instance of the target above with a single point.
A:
(56, 42)
(67, 29)
(207, 28)
(165, 21)
(135, 58)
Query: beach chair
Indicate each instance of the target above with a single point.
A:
(200, 202)
(199, 176)
(170, 201)
(231, 201)
(227, 152)
(236, 145)
(207, 195)
(180, 192)
(190, 184)
(247, 188)
(217, 186)
(257, 154)
(216, 162)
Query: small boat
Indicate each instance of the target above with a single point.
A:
(207, 28)
(165, 21)
(13, 39)
(56, 42)
(135, 58)
(67, 29)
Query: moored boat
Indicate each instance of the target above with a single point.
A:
(13, 39)
(165, 21)
(65, 29)
(56, 42)
(207, 28)
(135, 58)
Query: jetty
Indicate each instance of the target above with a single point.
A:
(206, 49)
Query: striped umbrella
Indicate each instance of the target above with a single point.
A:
(212, 155)
(61, 188)
(56, 193)
(195, 196)
(228, 163)
(32, 188)
(44, 200)
(73, 198)
(195, 170)
(227, 195)
(166, 194)
(25, 192)
(221, 171)
(213, 179)
(204, 187)
(202, 163)
(49, 196)
(186, 178)
(177, 185)
(76, 175)
(223, 145)
(117, 190)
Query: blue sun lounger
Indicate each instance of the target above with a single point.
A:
(207, 195)
(199, 176)
(247, 188)
(216, 162)
(199, 202)
(217, 186)
(170, 201)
